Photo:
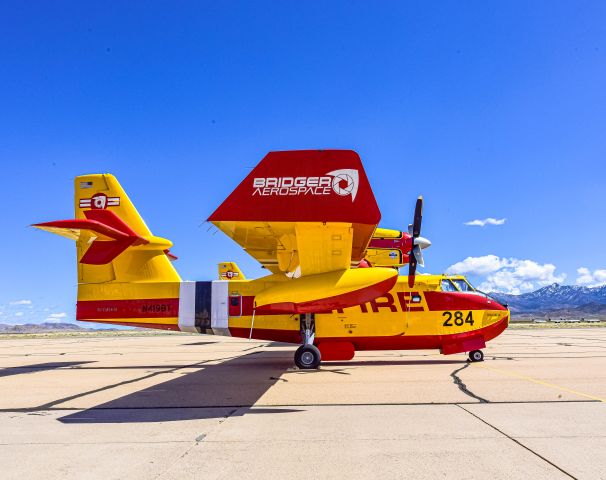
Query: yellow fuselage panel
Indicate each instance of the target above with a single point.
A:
(401, 311)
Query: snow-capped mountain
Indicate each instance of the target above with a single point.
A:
(555, 297)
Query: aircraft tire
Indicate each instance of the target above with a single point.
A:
(476, 356)
(308, 357)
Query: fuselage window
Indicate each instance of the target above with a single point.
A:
(463, 285)
(448, 286)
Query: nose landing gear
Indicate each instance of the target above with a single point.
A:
(308, 356)
(476, 356)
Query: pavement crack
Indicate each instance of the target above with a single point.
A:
(200, 438)
(459, 383)
(517, 442)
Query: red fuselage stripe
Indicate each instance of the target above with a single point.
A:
(140, 308)
(438, 301)
(275, 335)
(157, 326)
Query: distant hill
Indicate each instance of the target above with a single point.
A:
(40, 328)
(556, 300)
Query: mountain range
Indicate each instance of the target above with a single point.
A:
(41, 328)
(553, 301)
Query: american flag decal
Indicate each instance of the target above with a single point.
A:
(86, 184)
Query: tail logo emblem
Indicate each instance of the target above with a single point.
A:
(345, 182)
(99, 201)
(229, 274)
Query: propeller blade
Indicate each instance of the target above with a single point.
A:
(416, 225)
(416, 252)
(412, 269)
(412, 263)
(416, 257)
(410, 229)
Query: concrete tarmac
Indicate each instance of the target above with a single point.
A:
(184, 406)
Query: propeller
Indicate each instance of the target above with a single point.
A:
(418, 243)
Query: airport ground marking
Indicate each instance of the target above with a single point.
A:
(541, 382)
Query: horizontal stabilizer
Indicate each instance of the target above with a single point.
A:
(107, 234)
(102, 252)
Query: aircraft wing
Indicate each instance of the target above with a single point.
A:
(302, 212)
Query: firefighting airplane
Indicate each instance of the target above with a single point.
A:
(310, 218)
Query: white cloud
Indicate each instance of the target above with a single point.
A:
(590, 279)
(19, 314)
(21, 302)
(56, 317)
(508, 275)
(478, 265)
(486, 221)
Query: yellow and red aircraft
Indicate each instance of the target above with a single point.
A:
(310, 218)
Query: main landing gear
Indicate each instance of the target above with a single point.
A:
(476, 356)
(308, 356)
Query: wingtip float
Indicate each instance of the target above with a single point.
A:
(309, 217)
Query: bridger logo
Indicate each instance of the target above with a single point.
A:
(342, 182)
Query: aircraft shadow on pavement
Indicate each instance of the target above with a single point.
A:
(393, 362)
(38, 367)
(213, 391)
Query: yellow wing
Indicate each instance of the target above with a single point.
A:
(300, 248)
(308, 214)
(302, 212)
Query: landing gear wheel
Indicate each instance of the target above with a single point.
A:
(476, 356)
(308, 357)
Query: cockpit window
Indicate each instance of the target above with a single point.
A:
(463, 285)
(448, 286)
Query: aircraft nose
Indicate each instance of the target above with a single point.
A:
(422, 242)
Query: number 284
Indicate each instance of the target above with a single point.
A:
(457, 318)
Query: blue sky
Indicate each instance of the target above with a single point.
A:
(487, 109)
